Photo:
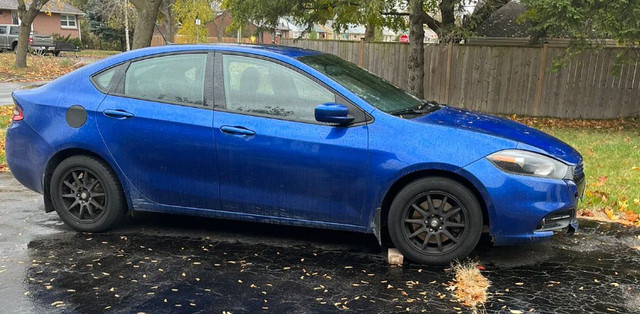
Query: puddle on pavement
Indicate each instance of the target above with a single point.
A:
(594, 271)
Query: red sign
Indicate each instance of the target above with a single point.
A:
(404, 38)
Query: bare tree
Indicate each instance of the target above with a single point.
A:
(147, 15)
(168, 24)
(26, 15)
(119, 15)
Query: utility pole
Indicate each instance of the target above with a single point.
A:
(197, 30)
(126, 24)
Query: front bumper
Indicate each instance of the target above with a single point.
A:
(522, 208)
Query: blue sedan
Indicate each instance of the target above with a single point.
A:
(288, 136)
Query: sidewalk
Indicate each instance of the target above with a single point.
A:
(7, 88)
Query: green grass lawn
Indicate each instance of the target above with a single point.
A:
(92, 53)
(612, 164)
(611, 151)
(5, 120)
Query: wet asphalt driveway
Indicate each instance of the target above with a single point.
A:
(161, 264)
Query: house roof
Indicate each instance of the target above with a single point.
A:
(503, 22)
(52, 6)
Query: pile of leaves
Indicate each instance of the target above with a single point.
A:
(631, 123)
(5, 119)
(469, 285)
(40, 68)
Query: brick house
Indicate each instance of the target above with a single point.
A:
(218, 28)
(61, 18)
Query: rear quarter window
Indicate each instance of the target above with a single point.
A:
(105, 80)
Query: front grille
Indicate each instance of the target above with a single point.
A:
(578, 173)
(556, 221)
(579, 179)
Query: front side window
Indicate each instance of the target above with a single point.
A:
(374, 90)
(3, 29)
(68, 21)
(263, 87)
(175, 79)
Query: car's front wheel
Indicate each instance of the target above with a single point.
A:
(435, 220)
(86, 194)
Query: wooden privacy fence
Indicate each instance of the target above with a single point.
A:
(504, 79)
(157, 40)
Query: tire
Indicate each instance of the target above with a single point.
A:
(87, 195)
(427, 232)
(14, 46)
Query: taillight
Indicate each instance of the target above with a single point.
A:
(17, 114)
(31, 40)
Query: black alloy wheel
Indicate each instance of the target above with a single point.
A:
(435, 220)
(83, 195)
(86, 194)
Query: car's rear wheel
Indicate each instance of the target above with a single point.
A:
(86, 194)
(435, 220)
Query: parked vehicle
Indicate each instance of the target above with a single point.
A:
(9, 36)
(39, 44)
(289, 136)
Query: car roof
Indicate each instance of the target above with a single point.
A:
(288, 51)
(292, 52)
(274, 51)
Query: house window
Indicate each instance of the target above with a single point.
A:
(67, 21)
(14, 17)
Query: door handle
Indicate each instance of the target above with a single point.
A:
(238, 130)
(118, 114)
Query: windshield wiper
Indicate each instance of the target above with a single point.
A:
(422, 109)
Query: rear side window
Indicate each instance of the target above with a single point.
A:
(174, 79)
(14, 30)
(103, 80)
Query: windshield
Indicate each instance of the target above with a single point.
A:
(374, 90)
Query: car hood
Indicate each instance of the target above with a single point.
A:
(528, 138)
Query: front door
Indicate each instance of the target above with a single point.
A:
(274, 158)
(157, 126)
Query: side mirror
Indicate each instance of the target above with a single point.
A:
(333, 113)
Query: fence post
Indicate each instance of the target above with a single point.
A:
(449, 65)
(543, 67)
(361, 53)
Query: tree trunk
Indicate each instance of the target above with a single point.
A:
(23, 45)
(416, 53)
(147, 14)
(370, 32)
(26, 19)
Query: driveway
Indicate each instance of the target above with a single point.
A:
(164, 264)
(7, 88)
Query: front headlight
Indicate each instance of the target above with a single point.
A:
(531, 164)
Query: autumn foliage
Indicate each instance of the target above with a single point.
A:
(40, 68)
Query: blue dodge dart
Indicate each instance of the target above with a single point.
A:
(287, 136)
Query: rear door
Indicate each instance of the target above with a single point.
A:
(157, 124)
(14, 32)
